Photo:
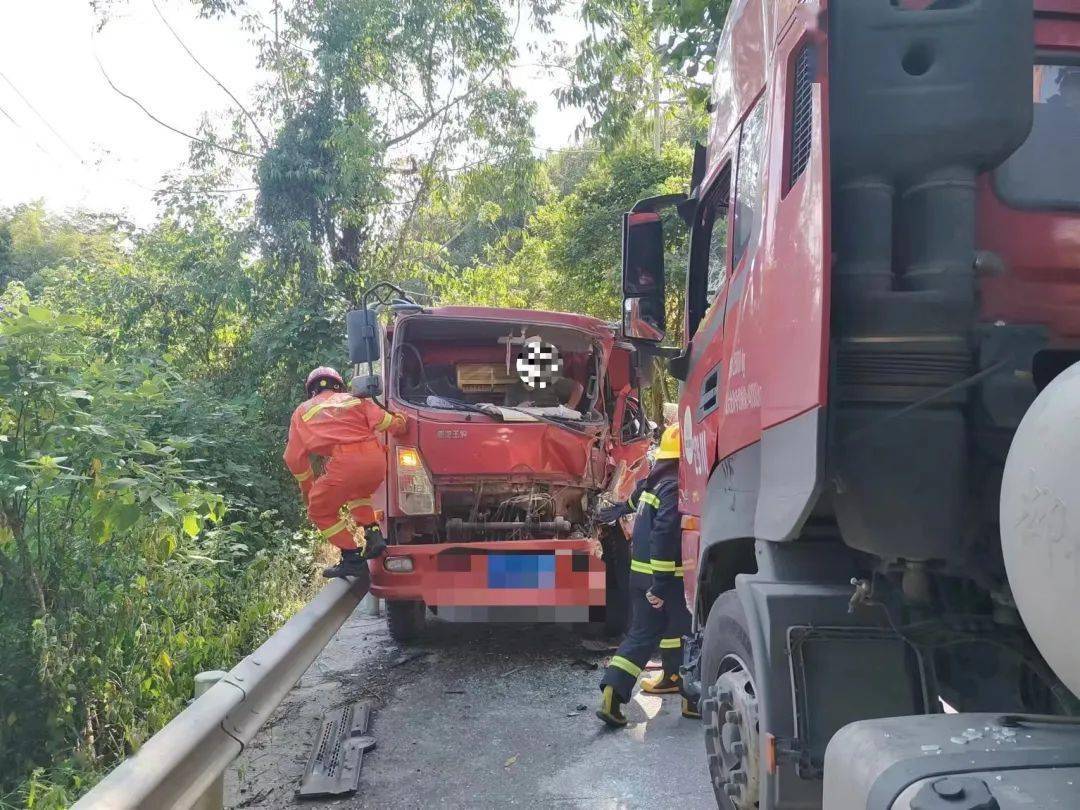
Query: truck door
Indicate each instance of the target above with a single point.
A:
(703, 372)
(631, 433)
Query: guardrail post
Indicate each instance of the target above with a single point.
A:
(370, 605)
(214, 797)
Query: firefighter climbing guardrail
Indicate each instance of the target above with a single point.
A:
(181, 765)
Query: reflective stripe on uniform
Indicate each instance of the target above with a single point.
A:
(310, 413)
(630, 503)
(670, 643)
(353, 504)
(326, 534)
(629, 667)
(640, 567)
(385, 422)
(679, 571)
(663, 566)
(305, 475)
(650, 499)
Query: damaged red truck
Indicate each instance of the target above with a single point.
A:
(489, 495)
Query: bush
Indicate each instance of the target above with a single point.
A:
(136, 548)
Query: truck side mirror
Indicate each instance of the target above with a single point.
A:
(366, 385)
(644, 317)
(363, 331)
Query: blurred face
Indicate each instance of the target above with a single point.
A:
(538, 364)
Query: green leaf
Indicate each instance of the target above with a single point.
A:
(124, 516)
(77, 393)
(40, 314)
(164, 504)
(191, 524)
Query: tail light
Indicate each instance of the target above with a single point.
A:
(416, 491)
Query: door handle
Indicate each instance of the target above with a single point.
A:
(708, 400)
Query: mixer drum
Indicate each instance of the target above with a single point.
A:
(1040, 523)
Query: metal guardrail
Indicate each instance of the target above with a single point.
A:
(181, 765)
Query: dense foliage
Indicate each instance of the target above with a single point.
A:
(147, 528)
(141, 540)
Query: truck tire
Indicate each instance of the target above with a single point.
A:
(729, 705)
(405, 619)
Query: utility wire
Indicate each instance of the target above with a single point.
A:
(21, 128)
(170, 127)
(42, 118)
(206, 70)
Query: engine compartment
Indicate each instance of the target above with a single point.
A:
(497, 509)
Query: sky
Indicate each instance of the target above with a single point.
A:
(67, 138)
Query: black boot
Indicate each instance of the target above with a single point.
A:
(351, 565)
(610, 710)
(375, 542)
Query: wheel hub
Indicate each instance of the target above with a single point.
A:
(731, 737)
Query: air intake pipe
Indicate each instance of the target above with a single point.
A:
(921, 101)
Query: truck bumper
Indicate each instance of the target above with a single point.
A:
(519, 580)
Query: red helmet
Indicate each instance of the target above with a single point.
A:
(323, 378)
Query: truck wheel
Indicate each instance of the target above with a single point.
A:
(729, 706)
(405, 619)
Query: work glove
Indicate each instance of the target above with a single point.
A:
(610, 514)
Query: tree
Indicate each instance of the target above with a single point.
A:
(391, 99)
(641, 60)
(567, 255)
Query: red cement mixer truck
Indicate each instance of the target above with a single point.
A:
(880, 410)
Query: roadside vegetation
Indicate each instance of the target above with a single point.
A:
(148, 530)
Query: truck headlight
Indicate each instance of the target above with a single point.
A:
(398, 565)
(416, 491)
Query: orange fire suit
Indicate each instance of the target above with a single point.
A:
(342, 429)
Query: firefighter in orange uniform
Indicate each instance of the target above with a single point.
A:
(341, 428)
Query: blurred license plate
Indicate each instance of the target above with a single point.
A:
(521, 570)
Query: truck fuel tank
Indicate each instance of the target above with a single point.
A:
(953, 762)
(1040, 523)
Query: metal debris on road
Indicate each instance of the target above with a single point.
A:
(407, 657)
(598, 645)
(334, 766)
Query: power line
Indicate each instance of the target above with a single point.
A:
(42, 118)
(168, 126)
(206, 70)
(22, 129)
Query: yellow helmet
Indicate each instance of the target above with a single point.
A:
(669, 443)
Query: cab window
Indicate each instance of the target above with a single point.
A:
(634, 425)
(709, 250)
(749, 185)
(1045, 171)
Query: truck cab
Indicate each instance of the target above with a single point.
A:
(884, 274)
(519, 420)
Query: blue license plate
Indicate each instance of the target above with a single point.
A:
(521, 570)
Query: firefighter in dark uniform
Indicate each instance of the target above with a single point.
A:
(659, 615)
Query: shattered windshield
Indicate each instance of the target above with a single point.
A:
(498, 368)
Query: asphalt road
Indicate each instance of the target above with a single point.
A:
(477, 716)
